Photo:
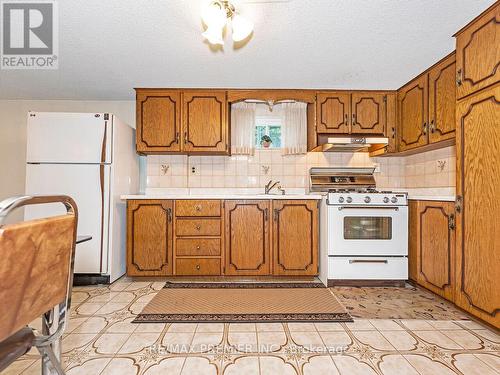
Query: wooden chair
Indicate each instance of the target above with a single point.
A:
(36, 276)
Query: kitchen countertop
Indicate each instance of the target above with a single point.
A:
(429, 194)
(196, 193)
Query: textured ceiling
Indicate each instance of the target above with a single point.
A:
(107, 47)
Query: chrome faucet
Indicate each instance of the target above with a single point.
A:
(270, 186)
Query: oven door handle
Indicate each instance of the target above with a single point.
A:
(368, 207)
(351, 261)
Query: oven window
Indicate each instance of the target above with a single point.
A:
(367, 228)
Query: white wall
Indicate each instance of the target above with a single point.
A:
(13, 133)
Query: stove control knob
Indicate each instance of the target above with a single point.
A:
(349, 199)
(386, 200)
(367, 199)
(394, 199)
(341, 199)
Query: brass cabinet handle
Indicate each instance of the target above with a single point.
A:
(451, 222)
(198, 267)
(186, 140)
(346, 119)
(432, 126)
(177, 137)
(459, 77)
(393, 132)
(197, 207)
(458, 204)
(198, 227)
(169, 214)
(198, 247)
(424, 128)
(266, 213)
(353, 118)
(276, 214)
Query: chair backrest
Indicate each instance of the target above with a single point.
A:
(36, 263)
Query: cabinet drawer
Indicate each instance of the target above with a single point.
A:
(197, 227)
(197, 266)
(197, 208)
(197, 246)
(361, 268)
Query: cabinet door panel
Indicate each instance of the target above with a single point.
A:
(436, 247)
(149, 237)
(333, 113)
(412, 109)
(478, 248)
(368, 113)
(205, 122)
(247, 237)
(295, 237)
(158, 122)
(442, 101)
(478, 60)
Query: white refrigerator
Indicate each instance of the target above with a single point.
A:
(90, 157)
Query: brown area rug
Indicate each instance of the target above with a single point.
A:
(243, 302)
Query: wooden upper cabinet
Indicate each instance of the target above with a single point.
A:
(205, 123)
(295, 237)
(412, 110)
(149, 237)
(478, 54)
(247, 237)
(391, 122)
(333, 111)
(368, 113)
(442, 100)
(436, 247)
(478, 189)
(158, 121)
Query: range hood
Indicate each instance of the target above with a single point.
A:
(352, 144)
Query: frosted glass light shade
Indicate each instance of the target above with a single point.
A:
(242, 28)
(214, 15)
(214, 35)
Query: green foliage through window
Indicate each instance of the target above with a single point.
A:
(270, 127)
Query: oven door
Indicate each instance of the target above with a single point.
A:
(371, 231)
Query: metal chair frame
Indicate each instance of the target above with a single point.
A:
(54, 321)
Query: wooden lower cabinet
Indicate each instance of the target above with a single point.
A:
(197, 267)
(295, 237)
(149, 237)
(478, 189)
(432, 236)
(247, 237)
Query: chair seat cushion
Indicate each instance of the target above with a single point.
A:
(15, 346)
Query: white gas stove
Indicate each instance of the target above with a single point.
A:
(364, 231)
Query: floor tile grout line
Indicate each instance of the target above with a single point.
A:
(486, 363)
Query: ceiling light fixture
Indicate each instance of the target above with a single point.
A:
(217, 15)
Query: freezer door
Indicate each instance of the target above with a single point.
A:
(55, 137)
(88, 185)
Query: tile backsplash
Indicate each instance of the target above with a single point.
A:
(430, 169)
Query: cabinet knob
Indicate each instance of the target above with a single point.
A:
(198, 247)
(197, 208)
(198, 227)
(459, 77)
(198, 267)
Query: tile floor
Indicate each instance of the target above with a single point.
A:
(101, 339)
